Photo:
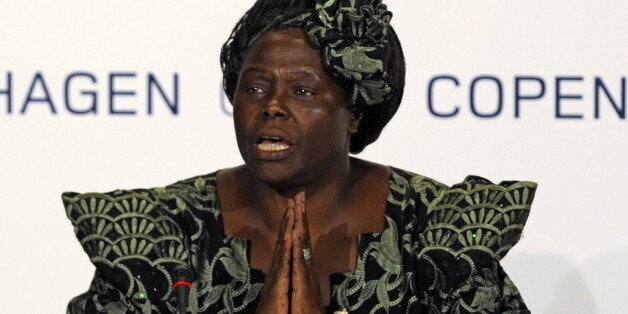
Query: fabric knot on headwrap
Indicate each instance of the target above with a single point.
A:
(353, 37)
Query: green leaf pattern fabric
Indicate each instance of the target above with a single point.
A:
(353, 38)
(438, 253)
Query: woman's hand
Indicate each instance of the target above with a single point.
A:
(306, 292)
(275, 296)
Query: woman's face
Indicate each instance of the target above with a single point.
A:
(291, 120)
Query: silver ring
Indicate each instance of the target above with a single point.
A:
(307, 254)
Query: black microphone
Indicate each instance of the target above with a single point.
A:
(182, 277)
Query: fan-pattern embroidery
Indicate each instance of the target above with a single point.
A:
(438, 253)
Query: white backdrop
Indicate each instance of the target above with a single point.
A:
(572, 257)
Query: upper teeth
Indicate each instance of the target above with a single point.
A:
(270, 138)
(272, 146)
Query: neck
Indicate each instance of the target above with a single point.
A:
(325, 195)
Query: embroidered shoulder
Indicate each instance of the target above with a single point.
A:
(196, 194)
(477, 214)
(410, 187)
(470, 227)
(135, 237)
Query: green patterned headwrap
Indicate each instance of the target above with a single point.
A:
(352, 35)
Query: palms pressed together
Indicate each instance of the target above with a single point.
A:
(292, 285)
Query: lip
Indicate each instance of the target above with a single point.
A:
(272, 155)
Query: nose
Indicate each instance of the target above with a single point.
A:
(276, 106)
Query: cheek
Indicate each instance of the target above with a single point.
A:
(329, 129)
(237, 124)
(241, 123)
(241, 117)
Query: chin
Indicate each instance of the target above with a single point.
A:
(276, 174)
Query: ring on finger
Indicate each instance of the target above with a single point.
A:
(307, 254)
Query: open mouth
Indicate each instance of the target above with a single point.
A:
(272, 144)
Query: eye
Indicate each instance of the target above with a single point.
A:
(254, 90)
(303, 92)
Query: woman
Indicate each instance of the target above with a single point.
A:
(303, 227)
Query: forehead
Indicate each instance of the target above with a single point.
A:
(287, 47)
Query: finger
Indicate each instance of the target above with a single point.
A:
(299, 213)
(299, 268)
(283, 246)
(301, 222)
(281, 234)
(280, 280)
(284, 222)
(283, 264)
(279, 274)
(304, 238)
(304, 278)
(282, 269)
(287, 228)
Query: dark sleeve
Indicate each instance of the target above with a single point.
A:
(104, 297)
(133, 243)
(468, 229)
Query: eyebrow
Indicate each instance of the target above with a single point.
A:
(308, 73)
(252, 70)
(300, 72)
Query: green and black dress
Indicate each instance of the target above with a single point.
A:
(438, 253)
